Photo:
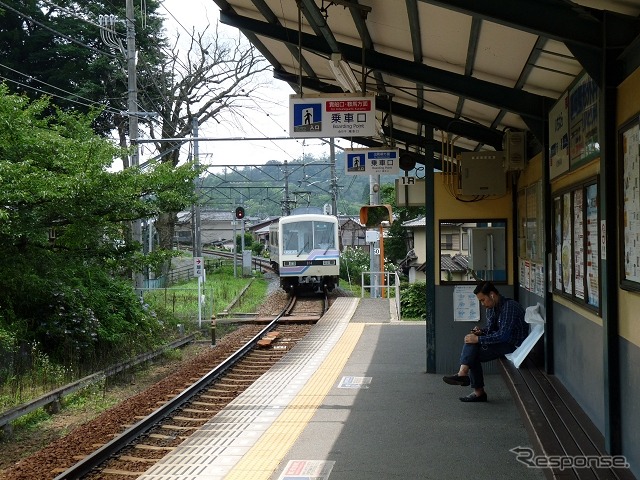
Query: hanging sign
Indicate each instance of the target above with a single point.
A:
(338, 115)
(372, 161)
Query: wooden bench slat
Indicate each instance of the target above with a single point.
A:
(584, 442)
(556, 422)
(550, 431)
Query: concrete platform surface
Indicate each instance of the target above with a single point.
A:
(385, 418)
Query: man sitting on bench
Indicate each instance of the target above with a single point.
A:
(505, 331)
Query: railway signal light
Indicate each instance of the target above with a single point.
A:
(239, 213)
(374, 215)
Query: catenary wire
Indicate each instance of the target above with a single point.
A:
(86, 101)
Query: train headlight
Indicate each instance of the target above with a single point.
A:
(328, 262)
(289, 263)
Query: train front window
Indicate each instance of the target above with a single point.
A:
(298, 238)
(323, 235)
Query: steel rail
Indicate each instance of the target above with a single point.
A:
(89, 463)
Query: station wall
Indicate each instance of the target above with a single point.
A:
(628, 106)
(578, 336)
(449, 334)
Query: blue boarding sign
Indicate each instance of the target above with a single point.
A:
(356, 162)
(337, 115)
(307, 118)
(372, 161)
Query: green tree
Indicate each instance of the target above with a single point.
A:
(56, 48)
(395, 244)
(67, 57)
(248, 242)
(353, 261)
(62, 246)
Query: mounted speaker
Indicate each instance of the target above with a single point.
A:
(514, 146)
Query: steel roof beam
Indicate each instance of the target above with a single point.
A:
(520, 102)
(472, 131)
(585, 31)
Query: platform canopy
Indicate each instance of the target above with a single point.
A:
(472, 69)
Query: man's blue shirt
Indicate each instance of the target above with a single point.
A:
(505, 324)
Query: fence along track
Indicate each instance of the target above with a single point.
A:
(55, 396)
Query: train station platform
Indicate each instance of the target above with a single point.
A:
(352, 401)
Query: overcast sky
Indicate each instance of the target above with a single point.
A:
(270, 121)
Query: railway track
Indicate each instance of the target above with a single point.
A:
(142, 444)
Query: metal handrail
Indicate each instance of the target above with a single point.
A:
(387, 286)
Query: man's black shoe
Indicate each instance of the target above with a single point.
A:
(456, 379)
(472, 397)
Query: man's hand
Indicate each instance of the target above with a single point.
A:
(476, 331)
(471, 338)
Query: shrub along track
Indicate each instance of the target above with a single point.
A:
(59, 455)
(65, 452)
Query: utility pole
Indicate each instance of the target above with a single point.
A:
(197, 233)
(132, 110)
(334, 179)
(132, 98)
(286, 209)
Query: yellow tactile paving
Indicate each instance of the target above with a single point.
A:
(265, 456)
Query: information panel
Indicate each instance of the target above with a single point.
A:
(465, 304)
(371, 161)
(583, 120)
(630, 188)
(559, 137)
(338, 115)
(576, 233)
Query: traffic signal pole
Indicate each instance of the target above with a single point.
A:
(235, 251)
(239, 215)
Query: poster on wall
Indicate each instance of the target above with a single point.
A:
(534, 224)
(567, 240)
(631, 203)
(583, 120)
(559, 137)
(466, 307)
(577, 233)
(557, 212)
(578, 244)
(593, 241)
(538, 279)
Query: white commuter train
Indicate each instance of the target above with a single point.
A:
(304, 250)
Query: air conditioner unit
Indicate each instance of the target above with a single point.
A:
(514, 146)
(481, 173)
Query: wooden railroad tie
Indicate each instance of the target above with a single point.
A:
(268, 339)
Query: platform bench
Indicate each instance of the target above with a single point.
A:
(557, 425)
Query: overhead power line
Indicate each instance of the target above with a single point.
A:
(89, 102)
